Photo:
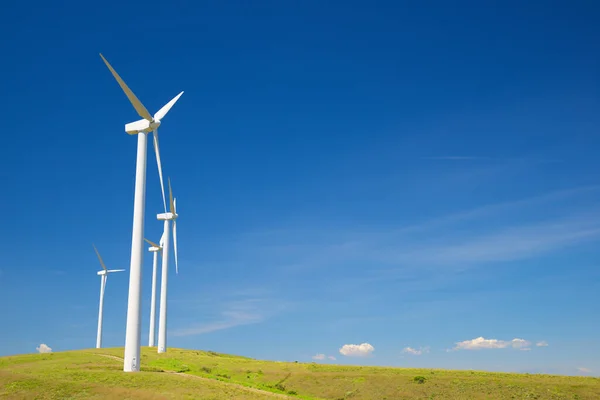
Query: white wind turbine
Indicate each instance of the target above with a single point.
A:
(131, 359)
(103, 275)
(155, 248)
(167, 217)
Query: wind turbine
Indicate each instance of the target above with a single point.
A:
(131, 359)
(155, 248)
(167, 217)
(103, 275)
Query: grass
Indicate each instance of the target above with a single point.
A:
(189, 374)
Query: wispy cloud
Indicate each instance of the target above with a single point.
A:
(321, 356)
(584, 370)
(230, 320)
(234, 313)
(511, 236)
(415, 352)
(468, 158)
(457, 158)
(543, 343)
(509, 244)
(482, 343)
(498, 208)
(430, 254)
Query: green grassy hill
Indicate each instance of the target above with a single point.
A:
(189, 374)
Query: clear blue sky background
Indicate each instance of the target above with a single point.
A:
(394, 173)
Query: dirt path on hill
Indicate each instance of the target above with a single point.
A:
(189, 376)
(108, 356)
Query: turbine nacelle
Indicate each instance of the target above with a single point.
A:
(153, 246)
(106, 272)
(168, 216)
(142, 125)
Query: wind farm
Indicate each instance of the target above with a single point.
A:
(208, 374)
(381, 201)
(103, 273)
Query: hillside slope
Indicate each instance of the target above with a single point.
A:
(189, 374)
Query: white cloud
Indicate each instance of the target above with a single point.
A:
(482, 343)
(44, 348)
(584, 370)
(520, 344)
(331, 357)
(542, 343)
(356, 350)
(415, 352)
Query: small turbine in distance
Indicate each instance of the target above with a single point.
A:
(167, 217)
(155, 248)
(103, 275)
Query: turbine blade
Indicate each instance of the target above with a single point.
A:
(160, 114)
(158, 163)
(151, 243)
(175, 244)
(115, 270)
(135, 102)
(171, 205)
(99, 258)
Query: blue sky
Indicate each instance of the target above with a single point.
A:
(421, 179)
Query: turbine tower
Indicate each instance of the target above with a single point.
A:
(167, 217)
(155, 248)
(103, 275)
(131, 359)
